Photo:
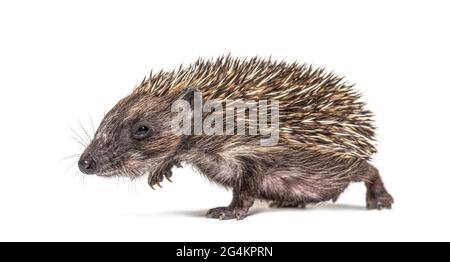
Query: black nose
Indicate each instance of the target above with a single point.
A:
(87, 164)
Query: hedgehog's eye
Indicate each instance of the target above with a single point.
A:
(141, 132)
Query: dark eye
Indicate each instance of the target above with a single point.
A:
(141, 132)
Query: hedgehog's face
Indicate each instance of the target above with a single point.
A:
(133, 137)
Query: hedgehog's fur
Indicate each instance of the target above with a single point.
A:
(325, 140)
(318, 110)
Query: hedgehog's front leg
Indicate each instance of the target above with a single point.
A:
(238, 207)
(164, 171)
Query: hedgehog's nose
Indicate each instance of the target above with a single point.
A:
(87, 164)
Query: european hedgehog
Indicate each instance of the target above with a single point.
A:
(325, 135)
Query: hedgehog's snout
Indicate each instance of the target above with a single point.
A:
(87, 164)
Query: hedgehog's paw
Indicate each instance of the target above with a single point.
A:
(379, 201)
(287, 204)
(224, 213)
(157, 177)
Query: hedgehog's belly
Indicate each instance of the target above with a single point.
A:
(289, 185)
(220, 173)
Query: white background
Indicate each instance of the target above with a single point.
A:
(61, 61)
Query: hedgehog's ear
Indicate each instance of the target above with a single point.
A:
(188, 95)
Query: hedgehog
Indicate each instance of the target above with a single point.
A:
(325, 135)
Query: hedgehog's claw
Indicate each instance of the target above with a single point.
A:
(157, 178)
(380, 201)
(153, 181)
(168, 175)
(225, 213)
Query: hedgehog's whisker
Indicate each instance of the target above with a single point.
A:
(92, 124)
(88, 137)
(70, 157)
(67, 170)
(82, 178)
(79, 142)
(80, 138)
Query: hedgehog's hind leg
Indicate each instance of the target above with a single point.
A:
(237, 209)
(377, 197)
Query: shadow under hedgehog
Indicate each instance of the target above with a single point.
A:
(325, 135)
